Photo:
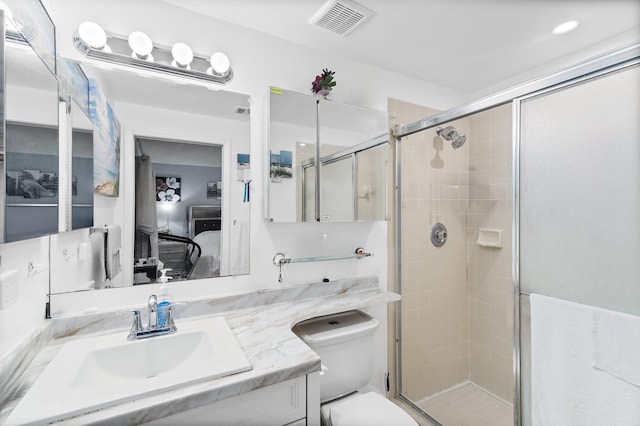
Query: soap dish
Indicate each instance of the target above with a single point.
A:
(490, 238)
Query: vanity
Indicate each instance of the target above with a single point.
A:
(281, 388)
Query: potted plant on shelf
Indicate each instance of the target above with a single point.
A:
(323, 83)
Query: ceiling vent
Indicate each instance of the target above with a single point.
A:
(340, 16)
(241, 110)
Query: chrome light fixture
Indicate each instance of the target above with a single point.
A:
(137, 50)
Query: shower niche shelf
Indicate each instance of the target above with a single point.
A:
(489, 238)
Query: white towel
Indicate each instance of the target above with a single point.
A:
(146, 215)
(113, 245)
(240, 248)
(616, 344)
(565, 388)
(99, 270)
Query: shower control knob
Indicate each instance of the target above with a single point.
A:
(438, 235)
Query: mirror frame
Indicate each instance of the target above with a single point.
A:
(3, 166)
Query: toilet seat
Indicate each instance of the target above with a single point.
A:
(368, 409)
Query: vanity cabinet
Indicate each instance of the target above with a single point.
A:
(281, 404)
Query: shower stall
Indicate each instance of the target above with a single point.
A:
(457, 309)
(458, 347)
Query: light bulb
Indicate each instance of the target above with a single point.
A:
(182, 55)
(219, 64)
(565, 27)
(141, 45)
(92, 34)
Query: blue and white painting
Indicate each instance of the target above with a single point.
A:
(106, 143)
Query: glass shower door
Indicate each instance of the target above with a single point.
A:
(456, 332)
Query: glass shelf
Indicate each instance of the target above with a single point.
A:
(280, 259)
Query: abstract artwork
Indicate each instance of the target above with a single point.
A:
(168, 188)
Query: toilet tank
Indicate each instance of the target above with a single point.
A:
(344, 343)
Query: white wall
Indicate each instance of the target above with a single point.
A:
(20, 319)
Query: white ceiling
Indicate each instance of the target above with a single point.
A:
(466, 45)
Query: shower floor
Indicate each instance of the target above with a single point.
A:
(468, 405)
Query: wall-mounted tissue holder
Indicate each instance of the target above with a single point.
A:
(490, 238)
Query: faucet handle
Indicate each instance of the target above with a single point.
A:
(136, 326)
(169, 320)
(153, 311)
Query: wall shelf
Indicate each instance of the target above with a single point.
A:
(280, 259)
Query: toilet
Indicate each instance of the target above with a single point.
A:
(344, 343)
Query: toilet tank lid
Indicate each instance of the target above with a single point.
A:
(332, 329)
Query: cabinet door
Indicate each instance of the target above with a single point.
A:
(305, 131)
(277, 404)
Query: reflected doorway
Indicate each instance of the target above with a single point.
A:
(178, 210)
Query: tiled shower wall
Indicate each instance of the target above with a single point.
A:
(490, 280)
(455, 329)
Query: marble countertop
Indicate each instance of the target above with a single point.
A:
(261, 322)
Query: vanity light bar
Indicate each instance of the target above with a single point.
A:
(119, 52)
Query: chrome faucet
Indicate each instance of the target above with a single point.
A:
(153, 329)
(153, 312)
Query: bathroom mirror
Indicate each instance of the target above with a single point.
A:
(197, 143)
(352, 141)
(81, 168)
(30, 146)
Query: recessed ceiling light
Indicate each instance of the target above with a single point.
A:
(565, 27)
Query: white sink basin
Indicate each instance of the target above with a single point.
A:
(90, 374)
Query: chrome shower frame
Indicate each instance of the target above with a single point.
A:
(599, 65)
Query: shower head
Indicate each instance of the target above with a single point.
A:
(449, 133)
(459, 140)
